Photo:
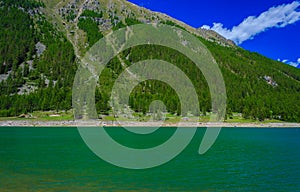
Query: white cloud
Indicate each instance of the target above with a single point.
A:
(278, 17)
(292, 63)
(205, 27)
(285, 60)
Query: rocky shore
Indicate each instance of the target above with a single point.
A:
(28, 123)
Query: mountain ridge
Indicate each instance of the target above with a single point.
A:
(142, 14)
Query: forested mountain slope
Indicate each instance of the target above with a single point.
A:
(41, 43)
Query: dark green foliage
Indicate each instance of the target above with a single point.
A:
(90, 13)
(26, 4)
(171, 23)
(247, 90)
(91, 29)
(183, 63)
(19, 34)
(71, 16)
(17, 38)
(119, 25)
(147, 92)
(152, 90)
(128, 21)
(132, 21)
(57, 60)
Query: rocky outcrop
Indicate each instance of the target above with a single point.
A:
(115, 11)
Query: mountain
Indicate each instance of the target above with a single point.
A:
(41, 43)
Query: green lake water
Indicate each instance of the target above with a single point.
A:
(242, 159)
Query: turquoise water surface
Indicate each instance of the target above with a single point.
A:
(242, 159)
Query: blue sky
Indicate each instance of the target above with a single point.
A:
(270, 27)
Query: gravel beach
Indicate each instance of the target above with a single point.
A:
(30, 123)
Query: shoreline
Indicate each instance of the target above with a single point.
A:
(28, 123)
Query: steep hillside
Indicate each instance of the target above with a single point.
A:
(70, 15)
(50, 35)
(37, 61)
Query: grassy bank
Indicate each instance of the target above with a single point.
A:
(169, 118)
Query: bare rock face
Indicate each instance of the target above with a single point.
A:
(270, 81)
(115, 11)
(26, 89)
(3, 77)
(40, 48)
(214, 36)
